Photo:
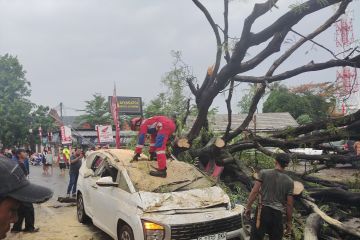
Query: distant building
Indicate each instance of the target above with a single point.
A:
(264, 122)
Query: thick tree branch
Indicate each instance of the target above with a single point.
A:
(211, 88)
(272, 47)
(228, 106)
(335, 122)
(217, 36)
(192, 87)
(333, 222)
(226, 30)
(315, 33)
(310, 67)
(255, 100)
(245, 43)
(187, 113)
(312, 140)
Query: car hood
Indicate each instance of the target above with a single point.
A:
(184, 200)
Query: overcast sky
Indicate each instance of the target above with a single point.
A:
(74, 48)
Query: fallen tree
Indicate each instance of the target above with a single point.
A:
(337, 195)
(219, 155)
(331, 221)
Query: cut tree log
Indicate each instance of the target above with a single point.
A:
(312, 227)
(337, 195)
(212, 148)
(183, 143)
(331, 221)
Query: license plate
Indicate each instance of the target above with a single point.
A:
(218, 236)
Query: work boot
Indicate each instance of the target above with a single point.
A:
(32, 230)
(159, 173)
(135, 158)
(153, 156)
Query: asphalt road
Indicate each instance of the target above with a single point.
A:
(57, 221)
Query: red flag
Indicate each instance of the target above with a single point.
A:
(115, 114)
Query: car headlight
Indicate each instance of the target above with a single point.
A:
(153, 231)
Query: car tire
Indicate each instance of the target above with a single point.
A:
(125, 233)
(80, 210)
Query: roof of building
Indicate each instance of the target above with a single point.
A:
(265, 122)
(71, 121)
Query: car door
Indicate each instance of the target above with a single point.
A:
(90, 187)
(116, 202)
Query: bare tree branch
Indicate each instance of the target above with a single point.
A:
(277, 31)
(192, 87)
(274, 46)
(335, 122)
(226, 30)
(315, 33)
(245, 40)
(257, 96)
(187, 113)
(217, 36)
(228, 105)
(310, 67)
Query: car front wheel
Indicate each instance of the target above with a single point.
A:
(125, 233)
(81, 215)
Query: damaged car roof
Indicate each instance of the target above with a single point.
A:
(180, 175)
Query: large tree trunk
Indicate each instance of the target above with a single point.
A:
(331, 221)
(337, 195)
(312, 227)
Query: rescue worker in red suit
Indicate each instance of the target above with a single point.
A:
(160, 129)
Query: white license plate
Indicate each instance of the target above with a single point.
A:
(218, 236)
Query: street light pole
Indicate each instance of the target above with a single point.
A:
(32, 141)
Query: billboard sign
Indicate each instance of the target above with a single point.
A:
(105, 133)
(65, 135)
(129, 105)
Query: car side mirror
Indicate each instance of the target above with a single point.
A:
(106, 182)
(88, 173)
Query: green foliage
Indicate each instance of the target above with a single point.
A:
(245, 102)
(304, 119)
(15, 108)
(40, 118)
(282, 100)
(173, 101)
(97, 111)
(299, 7)
(257, 159)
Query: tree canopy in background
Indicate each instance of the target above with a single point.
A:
(172, 101)
(15, 107)
(96, 111)
(305, 106)
(17, 113)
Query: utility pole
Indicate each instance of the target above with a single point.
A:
(61, 111)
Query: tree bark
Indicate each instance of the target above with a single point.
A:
(312, 227)
(331, 221)
(337, 195)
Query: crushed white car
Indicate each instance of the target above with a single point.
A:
(123, 200)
